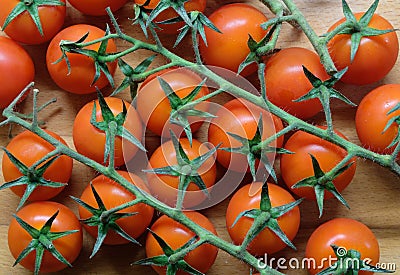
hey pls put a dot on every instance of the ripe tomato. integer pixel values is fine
(90, 141)
(298, 166)
(37, 214)
(23, 29)
(229, 48)
(112, 194)
(241, 118)
(79, 80)
(248, 197)
(345, 233)
(30, 148)
(375, 57)
(13, 58)
(372, 117)
(190, 5)
(165, 187)
(95, 7)
(176, 235)
(286, 81)
(154, 107)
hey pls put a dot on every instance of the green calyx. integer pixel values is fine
(132, 75)
(42, 240)
(181, 108)
(32, 176)
(112, 126)
(105, 220)
(322, 182)
(32, 7)
(359, 29)
(165, 260)
(256, 149)
(186, 170)
(99, 57)
(266, 217)
(349, 262)
(177, 5)
(393, 120)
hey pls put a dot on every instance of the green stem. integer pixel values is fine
(181, 254)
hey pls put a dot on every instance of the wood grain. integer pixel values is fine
(373, 195)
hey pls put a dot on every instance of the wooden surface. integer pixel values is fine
(373, 195)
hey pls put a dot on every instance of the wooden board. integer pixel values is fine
(373, 195)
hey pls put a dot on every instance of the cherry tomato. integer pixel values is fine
(165, 187)
(176, 235)
(90, 141)
(286, 81)
(112, 194)
(372, 117)
(248, 197)
(23, 29)
(13, 58)
(241, 118)
(375, 57)
(37, 214)
(81, 76)
(95, 7)
(174, 28)
(229, 48)
(345, 233)
(298, 166)
(30, 148)
(154, 107)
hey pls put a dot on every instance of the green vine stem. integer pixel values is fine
(290, 13)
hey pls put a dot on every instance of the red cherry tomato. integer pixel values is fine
(165, 187)
(372, 117)
(345, 233)
(81, 76)
(241, 118)
(176, 235)
(30, 148)
(13, 58)
(90, 141)
(229, 48)
(375, 57)
(23, 29)
(286, 81)
(298, 166)
(112, 194)
(37, 214)
(248, 197)
(96, 7)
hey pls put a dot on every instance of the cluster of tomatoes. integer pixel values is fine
(231, 123)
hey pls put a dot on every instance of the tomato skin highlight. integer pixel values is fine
(248, 197)
(343, 232)
(165, 187)
(24, 30)
(30, 148)
(372, 117)
(285, 80)
(36, 214)
(90, 141)
(375, 57)
(229, 48)
(113, 195)
(81, 76)
(96, 7)
(241, 117)
(298, 166)
(176, 235)
(13, 58)
(155, 110)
